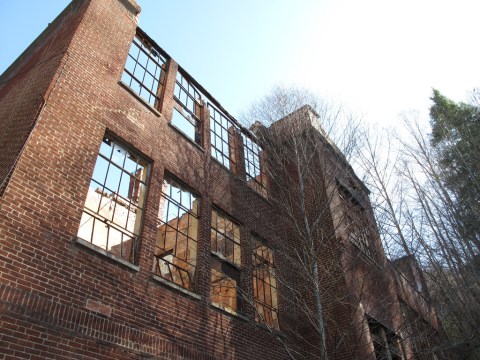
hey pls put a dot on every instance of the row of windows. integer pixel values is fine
(112, 217)
(145, 72)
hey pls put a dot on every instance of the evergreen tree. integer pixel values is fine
(455, 136)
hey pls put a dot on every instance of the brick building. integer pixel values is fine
(139, 219)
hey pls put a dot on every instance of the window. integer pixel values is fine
(177, 231)
(359, 233)
(222, 138)
(264, 285)
(386, 344)
(145, 70)
(113, 209)
(186, 113)
(358, 225)
(254, 166)
(421, 334)
(225, 273)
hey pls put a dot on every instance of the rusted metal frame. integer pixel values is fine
(213, 142)
(145, 48)
(177, 268)
(268, 266)
(225, 216)
(249, 145)
(189, 213)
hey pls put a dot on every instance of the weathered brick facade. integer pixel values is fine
(63, 295)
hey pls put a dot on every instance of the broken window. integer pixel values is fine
(222, 138)
(225, 273)
(145, 70)
(225, 237)
(177, 231)
(186, 112)
(265, 285)
(255, 166)
(113, 209)
(386, 344)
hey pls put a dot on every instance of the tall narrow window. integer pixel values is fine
(356, 218)
(145, 70)
(225, 237)
(113, 209)
(222, 138)
(254, 166)
(265, 285)
(176, 250)
(188, 103)
(358, 233)
(225, 273)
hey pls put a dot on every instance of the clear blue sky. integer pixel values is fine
(378, 57)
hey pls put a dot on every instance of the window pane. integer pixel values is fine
(131, 165)
(100, 234)
(100, 170)
(183, 124)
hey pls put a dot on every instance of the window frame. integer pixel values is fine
(357, 223)
(271, 320)
(188, 104)
(152, 53)
(229, 269)
(384, 341)
(255, 172)
(166, 200)
(223, 130)
(138, 188)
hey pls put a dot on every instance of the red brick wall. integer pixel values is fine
(60, 299)
(26, 85)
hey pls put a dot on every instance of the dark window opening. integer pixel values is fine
(359, 227)
(386, 344)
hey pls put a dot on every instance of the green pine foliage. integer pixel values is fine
(456, 138)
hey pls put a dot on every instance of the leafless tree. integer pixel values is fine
(418, 215)
(308, 149)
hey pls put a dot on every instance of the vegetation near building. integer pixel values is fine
(139, 219)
